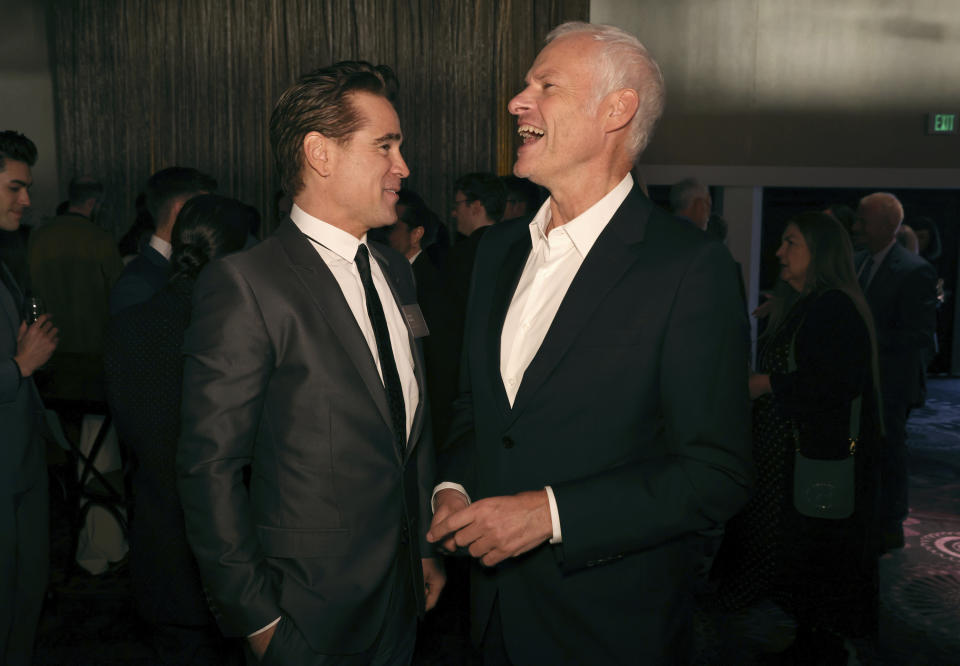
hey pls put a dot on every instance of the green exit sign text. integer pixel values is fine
(942, 123)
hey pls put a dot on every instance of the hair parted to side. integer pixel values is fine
(320, 102)
(17, 147)
(208, 226)
(82, 189)
(624, 63)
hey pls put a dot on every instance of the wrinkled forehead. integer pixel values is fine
(567, 55)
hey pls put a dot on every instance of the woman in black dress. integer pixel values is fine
(143, 369)
(822, 571)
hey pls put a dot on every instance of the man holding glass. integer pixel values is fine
(24, 530)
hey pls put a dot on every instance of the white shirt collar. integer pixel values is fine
(161, 246)
(335, 239)
(584, 229)
(414, 257)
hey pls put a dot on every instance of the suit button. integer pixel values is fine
(507, 443)
(404, 535)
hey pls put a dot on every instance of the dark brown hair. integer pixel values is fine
(320, 102)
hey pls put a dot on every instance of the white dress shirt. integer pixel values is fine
(338, 249)
(161, 246)
(551, 266)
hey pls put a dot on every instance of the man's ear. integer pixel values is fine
(416, 235)
(317, 153)
(622, 107)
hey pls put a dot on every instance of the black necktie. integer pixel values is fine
(865, 273)
(388, 366)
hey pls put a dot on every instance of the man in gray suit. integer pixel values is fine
(302, 360)
(24, 537)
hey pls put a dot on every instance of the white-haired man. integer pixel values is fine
(901, 290)
(690, 201)
(598, 429)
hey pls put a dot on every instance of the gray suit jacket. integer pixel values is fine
(20, 405)
(278, 376)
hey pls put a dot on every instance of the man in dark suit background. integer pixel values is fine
(603, 416)
(24, 527)
(166, 192)
(901, 290)
(301, 361)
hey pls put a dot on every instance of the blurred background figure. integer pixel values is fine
(139, 233)
(690, 201)
(813, 392)
(166, 192)
(900, 288)
(73, 264)
(524, 198)
(143, 368)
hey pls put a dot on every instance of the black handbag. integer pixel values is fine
(825, 488)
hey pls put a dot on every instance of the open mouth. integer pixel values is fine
(529, 134)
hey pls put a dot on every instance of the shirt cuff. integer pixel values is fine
(260, 631)
(443, 486)
(554, 516)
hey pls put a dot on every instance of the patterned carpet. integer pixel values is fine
(91, 621)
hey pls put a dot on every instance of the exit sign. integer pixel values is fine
(943, 123)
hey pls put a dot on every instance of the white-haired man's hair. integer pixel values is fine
(624, 63)
(887, 205)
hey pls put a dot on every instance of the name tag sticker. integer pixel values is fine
(415, 320)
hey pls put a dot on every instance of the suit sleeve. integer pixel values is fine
(228, 361)
(703, 476)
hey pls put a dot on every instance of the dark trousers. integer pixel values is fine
(187, 645)
(392, 647)
(492, 647)
(24, 569)
(893, 506)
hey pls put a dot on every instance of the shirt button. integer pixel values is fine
(507, 443)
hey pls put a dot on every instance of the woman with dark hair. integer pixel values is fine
(928, 238)
(805, 539)
(143, 370)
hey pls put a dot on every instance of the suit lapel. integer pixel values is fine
(325, 291)
(508, 276)
(9, 301)
(418, 370)
(879, 289)
(614, 252)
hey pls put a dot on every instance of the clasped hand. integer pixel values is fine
(491, 529)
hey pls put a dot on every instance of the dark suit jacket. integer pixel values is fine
(140, 279)
(21, 459)
(278, 375)
(635, 411)
(143, 369)
(441, 349)
(903, 299)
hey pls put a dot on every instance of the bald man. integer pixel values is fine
(901, 290)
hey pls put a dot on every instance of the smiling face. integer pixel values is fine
(794, 256)
(558, 113)
(365, 170)
(15, 180)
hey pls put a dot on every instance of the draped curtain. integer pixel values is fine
(140, 85)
